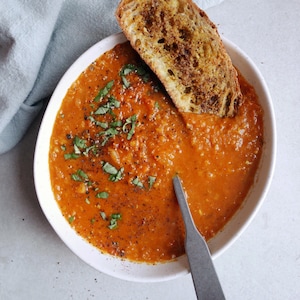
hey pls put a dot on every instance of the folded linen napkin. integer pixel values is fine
(39, 40)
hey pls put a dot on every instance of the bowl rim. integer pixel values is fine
(114, 266)
(266, 168)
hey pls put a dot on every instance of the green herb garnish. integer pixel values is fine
(103, 125)
(104, 91)
(108, 133)
(108, 106)
(92, 148)
(137, 182)
(129, 68)
(78, 144)
(114, 174)
(103, 215)
(132, 122)
(71, 219)
(151, 180)
(115, 124)
(113, 224)
(126, 83)
(71, 156)
(80, 175)
(102, 195)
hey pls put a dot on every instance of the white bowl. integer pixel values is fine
(138, 271)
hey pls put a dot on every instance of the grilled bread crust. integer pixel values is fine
(183, 48)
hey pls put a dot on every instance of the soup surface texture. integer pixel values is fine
(116, 144)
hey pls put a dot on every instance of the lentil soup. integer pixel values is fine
(116, 144)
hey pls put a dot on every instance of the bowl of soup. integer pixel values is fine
(111, 141)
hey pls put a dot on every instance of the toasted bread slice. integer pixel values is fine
(183, 48)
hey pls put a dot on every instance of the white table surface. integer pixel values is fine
(264, 263)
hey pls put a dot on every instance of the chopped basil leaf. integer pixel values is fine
(80, 175)
(75, 177)
(108, 106)
(126, 83)
(117, 123)
(102, 195)
(113, 102)
(76, 150)
(131, 131)
(104, 91)
(71, 156)
(71, 219)
(115, 174)
(88, 149)
(151, 180)
(103, 215)
(137, 182)
(118, 176)
(93, 220)
(103, 125)
(130, 121)
(109, 169)
(102, 110)
(108, 133)
(80, 143)
(111, 131)
(116, 216)
(113, 224)
(63, 147)
(129, 68)
(105, 140)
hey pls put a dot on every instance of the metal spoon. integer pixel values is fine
(205, 278)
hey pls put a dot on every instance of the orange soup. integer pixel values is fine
(118, 141)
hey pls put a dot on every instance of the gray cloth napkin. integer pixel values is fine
(39, 40)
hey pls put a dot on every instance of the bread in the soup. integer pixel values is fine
(184, 49)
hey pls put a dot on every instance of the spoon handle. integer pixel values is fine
(204, 276)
